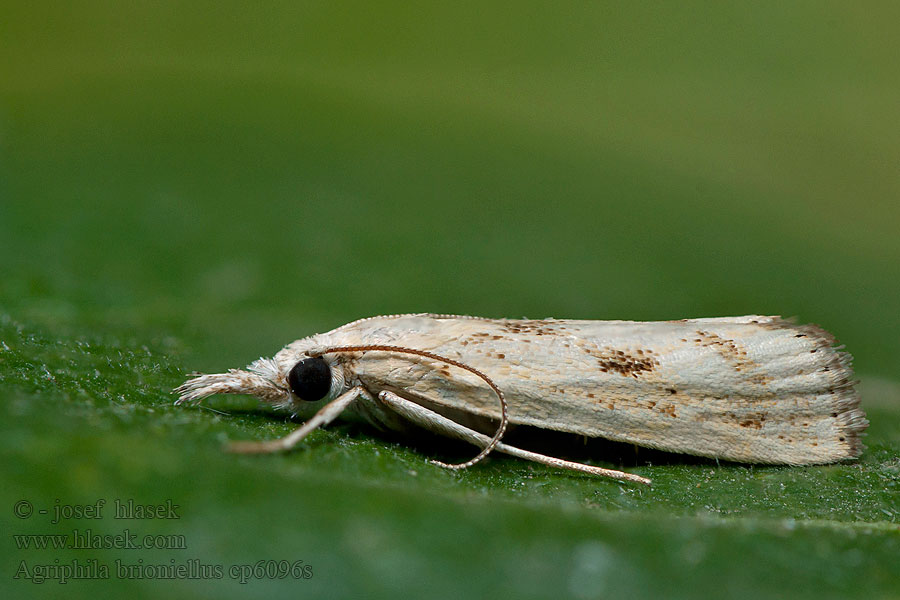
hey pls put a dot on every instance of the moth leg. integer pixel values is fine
(438, 423)
(326, 415)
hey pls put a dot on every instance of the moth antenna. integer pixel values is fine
(504, 416)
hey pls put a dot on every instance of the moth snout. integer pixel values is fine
(235, 381)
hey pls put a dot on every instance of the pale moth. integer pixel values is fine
(750, 389)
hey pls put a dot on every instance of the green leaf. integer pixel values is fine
(188, 186)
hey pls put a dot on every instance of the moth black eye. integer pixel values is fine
(310, 379)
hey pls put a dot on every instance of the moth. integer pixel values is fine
(751, 389)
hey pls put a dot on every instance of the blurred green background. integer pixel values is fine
(190, 185)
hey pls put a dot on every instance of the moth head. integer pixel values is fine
(292, 380)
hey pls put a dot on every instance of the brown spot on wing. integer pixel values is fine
(626, 365)
(749, 420)
(534, 327)
(611, 360)
(733, 352)
(668, 410)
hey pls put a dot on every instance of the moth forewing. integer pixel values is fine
(749, 389)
